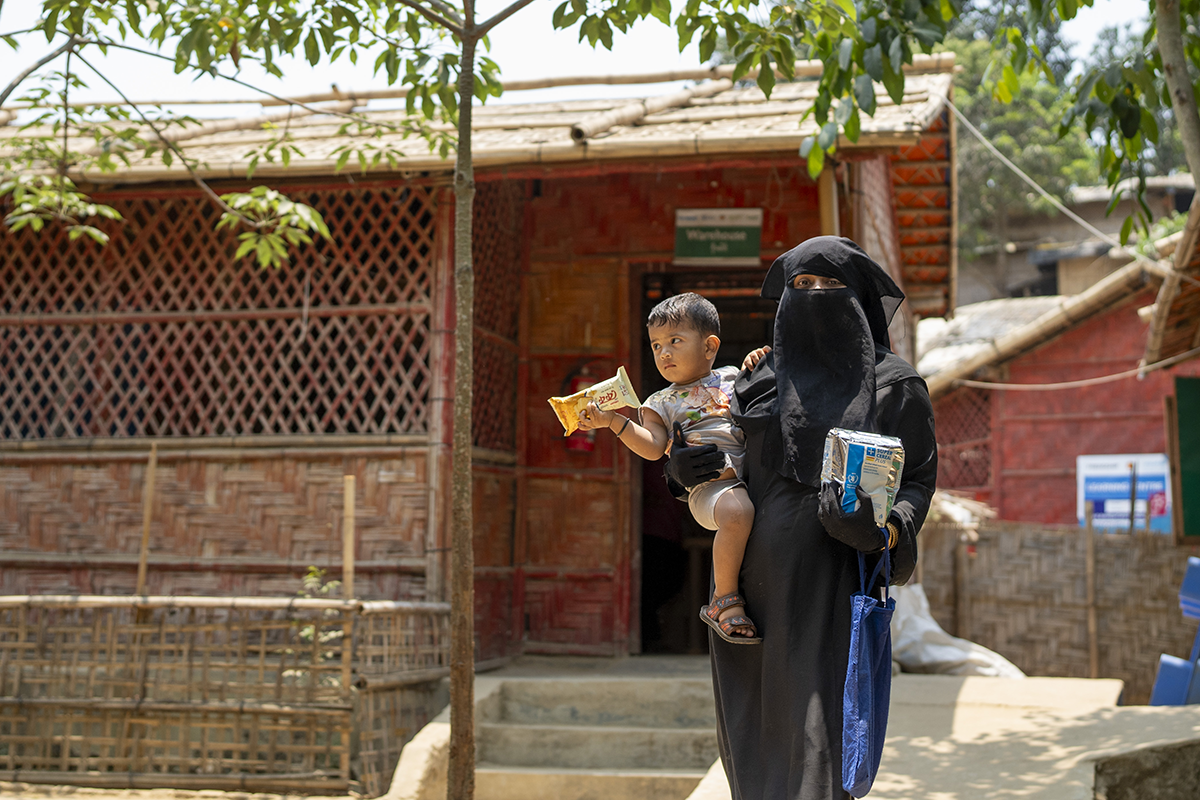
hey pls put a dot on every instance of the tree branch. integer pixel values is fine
(496, 19)
(1179, 84)
(360, 118)
(447, 11)
(204, 187)
(71, 42)
(434, 17)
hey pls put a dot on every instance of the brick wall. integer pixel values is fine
(1036, 436)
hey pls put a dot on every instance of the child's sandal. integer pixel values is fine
(711, 614)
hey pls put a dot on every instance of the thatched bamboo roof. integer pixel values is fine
(711, 118)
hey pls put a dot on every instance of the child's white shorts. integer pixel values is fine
(702, 500)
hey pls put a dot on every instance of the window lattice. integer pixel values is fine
(964, 428)
(497, 252)
(162, 334)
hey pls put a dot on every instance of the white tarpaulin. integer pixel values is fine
(920, 645)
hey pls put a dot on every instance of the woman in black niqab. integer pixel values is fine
(779, 706)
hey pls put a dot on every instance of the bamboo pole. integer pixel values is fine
(147, 512)
(1090, 566)
(921, 63)
(594, 124)
(348, 537)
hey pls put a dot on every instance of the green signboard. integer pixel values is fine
(718, 237)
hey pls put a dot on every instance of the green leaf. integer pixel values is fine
(853, 126)
(844, 107)
(1113, 76)
(247, 245)
(873, 62)
(848, 7)
(827, 138)
(708, 44)
(1126, 230)
(816, 162)
(845, 53)
(1010, 79)
(894, 83)
(896, 54)
(766, 74)
(864, 93)
(1149, 126)
(312, 48)
(868, 28)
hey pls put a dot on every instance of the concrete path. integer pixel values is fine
(952, 738)
(949, 738)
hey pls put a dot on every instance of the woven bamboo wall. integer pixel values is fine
(223, 523)
(1026, 587)
(250, 693)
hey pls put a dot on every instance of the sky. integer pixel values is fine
(525, 46)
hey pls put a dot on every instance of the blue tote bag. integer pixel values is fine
(868, 681)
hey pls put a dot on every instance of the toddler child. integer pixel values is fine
(684, 336)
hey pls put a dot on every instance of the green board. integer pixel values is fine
(718, 236)
(1187, 399)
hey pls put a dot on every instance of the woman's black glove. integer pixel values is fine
(691, 466)
(854, 528)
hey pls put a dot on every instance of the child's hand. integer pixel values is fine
(593, 418)
(753, 357)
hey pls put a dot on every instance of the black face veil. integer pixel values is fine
(821, 373)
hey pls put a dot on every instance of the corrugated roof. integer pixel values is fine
(943, 344)
(738, 120)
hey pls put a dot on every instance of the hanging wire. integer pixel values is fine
(1049, 387)
(1154, 266)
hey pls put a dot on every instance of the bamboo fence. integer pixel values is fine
(226, 693)
(1062, 600)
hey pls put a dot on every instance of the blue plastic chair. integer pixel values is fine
(1178, 681)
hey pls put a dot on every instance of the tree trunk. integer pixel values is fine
(1179, 83)
(460, 780)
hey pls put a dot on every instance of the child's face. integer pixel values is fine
(681, 353)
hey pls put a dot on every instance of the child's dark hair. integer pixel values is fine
(689, 309)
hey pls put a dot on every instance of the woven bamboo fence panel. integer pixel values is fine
(1027, 598)
(161, 333)
(194, 692)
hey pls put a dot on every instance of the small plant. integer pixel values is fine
(314, 586)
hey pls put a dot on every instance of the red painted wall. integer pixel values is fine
(1037, 435)
(590, 236)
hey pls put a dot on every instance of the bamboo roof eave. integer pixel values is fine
(544, 153)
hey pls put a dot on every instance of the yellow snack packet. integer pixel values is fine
(616, 392)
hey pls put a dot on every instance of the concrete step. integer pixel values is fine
(597, 746)
(498, 782)
(686, 703)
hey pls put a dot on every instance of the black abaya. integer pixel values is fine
(779, 704)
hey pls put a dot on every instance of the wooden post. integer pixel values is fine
(827, 201)
(348, 538)
(1090, 564)
(962, 589)
(1133, 496)
(147, 511)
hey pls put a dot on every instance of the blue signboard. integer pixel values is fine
(1106, 481)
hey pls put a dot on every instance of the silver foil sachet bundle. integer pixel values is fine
(870, 460)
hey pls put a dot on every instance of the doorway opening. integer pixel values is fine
(676, 551)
